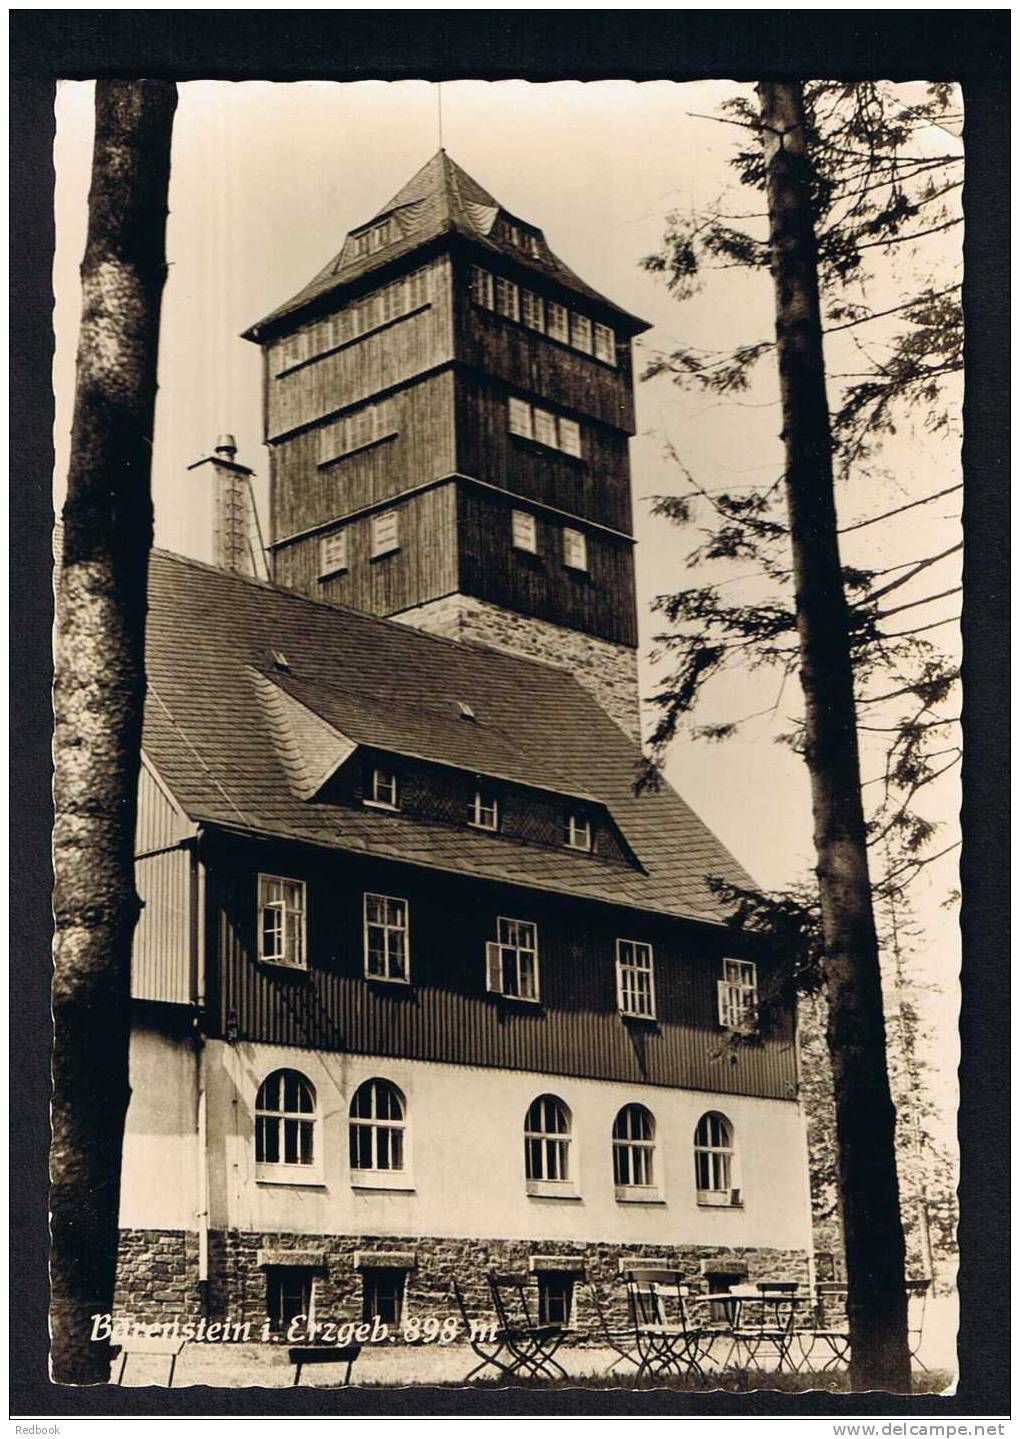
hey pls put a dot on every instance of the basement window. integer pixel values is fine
(290, 1295)
(383, 1296)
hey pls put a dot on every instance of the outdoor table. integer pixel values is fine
(781, 1297)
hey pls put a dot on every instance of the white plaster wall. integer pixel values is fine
(465, 1158)
(159, 1180)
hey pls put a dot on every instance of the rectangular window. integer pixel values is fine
(386, 938)
(520, 418)
(524, 532)
(332, 553)
(383, 788)
(482, 287)
(282, 916)
(290, 1294)
(512, 961)
(484, 810)
(555, 1298)
(383, 1296)
(507, 299)
(557, 321)
(605, 344)
(738, 994)
(580, 332)
(570, 437)
(575, 550)
(533, 307)
(577, 832)
(361, 427)
(385, 533)
(635, 982)
(544, 426)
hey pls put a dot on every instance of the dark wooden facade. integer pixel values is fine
(441, 375)
(445, 1013)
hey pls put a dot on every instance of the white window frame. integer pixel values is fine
(544, 427)
(557, 321)
(577, 833)
(374, 1177)
(484, 811)
(635, 978)
(634, 1155)
(384, 782)
(508, 298)
(516, 945)
(397, 930)
(524, 531)
(551, 1147)
(533, 311)
(714, 1160)
(568, 436)
(281, 907)
(575, 550)
(483, 288)
(381, 545)
(333, 554)
(281, 1171)
(738, 995)
(604, 344)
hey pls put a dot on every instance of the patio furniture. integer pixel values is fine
(487, 1341)
(303, 1354)
(143, 1344)
(757, 1317)
(917, 1301)
(619, 1338)
(829, 1327)
(666, 1341)
(531, 1343)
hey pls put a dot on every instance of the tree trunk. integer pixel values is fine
(865, 1117)
(99, 689)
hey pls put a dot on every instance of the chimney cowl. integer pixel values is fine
(226, 445)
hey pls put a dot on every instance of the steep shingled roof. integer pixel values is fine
(209, 734)
(441, 198)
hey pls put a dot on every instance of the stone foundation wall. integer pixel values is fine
(153, 1286)
(607, 670)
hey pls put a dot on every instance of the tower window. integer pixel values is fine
(557, 323)
(577, 832)
(580, 332)
(332, 554)
(533, 307)
(484, 810)
(520, 418)
(545, 427)
(534, 423)
(507, 299)
(354, 431)
(569, 435)
(605, 344)
(524, 531)
(385, 533)
(482, 287)
(373, 238)
(575, 550)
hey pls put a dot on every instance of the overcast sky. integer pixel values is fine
(266, 180)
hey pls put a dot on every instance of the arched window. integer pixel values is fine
(633, 1146)
(713, 1158)
(285, 1119)
(377, 1126)
(547, 1139)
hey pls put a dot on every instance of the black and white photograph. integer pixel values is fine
(508, 571)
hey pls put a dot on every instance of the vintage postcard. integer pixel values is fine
(546, 810)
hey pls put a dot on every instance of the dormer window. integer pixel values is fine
(484, 811)
(575, 550)
(577, 832)
(374, 238)
(383, 789)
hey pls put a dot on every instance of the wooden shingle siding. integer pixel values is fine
(422, 567)
(599, 601)
(445, 1014)
(595, 486)
(402, 348)
(420, 449)
(527, 359)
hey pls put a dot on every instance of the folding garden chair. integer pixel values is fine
(619, 1338)
(666, 1341)
(531, 1344)
(829, 1328)
(487, 1341)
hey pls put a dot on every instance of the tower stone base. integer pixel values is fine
(607, 670)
